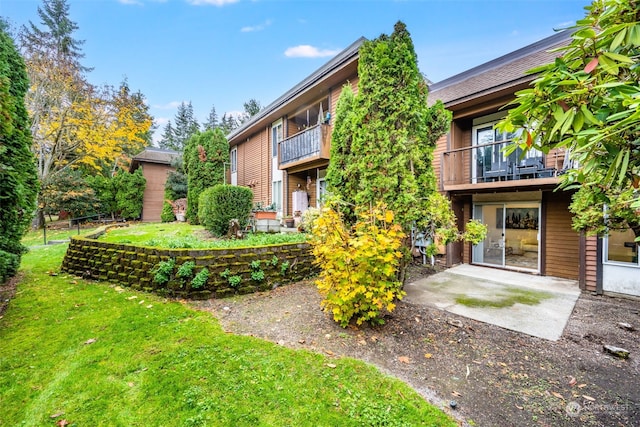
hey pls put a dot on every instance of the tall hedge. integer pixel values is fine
(221, 203)
(18, 176)
(204, 157)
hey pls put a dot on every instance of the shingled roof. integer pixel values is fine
(154, 155)
(506, 71)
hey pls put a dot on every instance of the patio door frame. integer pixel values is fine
(501, 244)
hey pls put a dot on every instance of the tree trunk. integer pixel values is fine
(38, 220)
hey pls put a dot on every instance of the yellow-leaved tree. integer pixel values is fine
(74, 123)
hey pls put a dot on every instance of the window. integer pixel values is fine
(321, 191)
(276, 137)
(233, 159)
(277, 194)
(491, 161)
(620, 247)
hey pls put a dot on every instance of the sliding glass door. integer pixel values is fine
(513, 235)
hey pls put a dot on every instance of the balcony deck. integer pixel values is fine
(305, 147)
(487, 167)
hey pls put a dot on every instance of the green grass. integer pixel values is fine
(182, 235)
(160, 363)
(510, 297)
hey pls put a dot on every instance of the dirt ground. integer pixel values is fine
(496, 377)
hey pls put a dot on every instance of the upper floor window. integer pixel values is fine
(276, 137)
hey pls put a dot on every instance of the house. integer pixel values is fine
(282, 152)
(156, 165)
(514, 195)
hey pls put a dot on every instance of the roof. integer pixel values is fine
(506, 71)
(154, 155)
(346, 56)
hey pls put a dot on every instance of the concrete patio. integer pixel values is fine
(534, 305)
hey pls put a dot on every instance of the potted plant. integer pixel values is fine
(289, 222)
(261, 211)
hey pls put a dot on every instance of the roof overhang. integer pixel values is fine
(336, 71)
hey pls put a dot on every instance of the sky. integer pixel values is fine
(223, 53)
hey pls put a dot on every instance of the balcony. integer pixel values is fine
(305, 147)
(486, 166)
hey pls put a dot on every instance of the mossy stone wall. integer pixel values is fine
(134, 266)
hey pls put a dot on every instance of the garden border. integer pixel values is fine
(260, 268)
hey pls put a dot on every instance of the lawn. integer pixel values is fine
(96, 354)
(183, 235)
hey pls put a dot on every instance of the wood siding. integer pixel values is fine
(153, 197)
(254, 165)
(591, 263)
(561, 243)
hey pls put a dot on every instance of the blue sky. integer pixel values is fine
(225, 52)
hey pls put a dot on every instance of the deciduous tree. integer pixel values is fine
(73, 122)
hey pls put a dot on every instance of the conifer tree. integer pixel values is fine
(18, 177)
(384, 137)
(212, 120)
(168, 139)
(185, 127)
(204, 158)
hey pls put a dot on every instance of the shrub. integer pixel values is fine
(221, 203)
(167, 213)
(309, 217)
(359, 267)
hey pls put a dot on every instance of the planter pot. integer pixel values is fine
(265, 215)
(289, 222)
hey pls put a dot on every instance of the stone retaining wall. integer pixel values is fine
(259, 268)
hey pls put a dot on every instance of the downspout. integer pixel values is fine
(599, 290)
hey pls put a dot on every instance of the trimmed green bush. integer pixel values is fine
(221, 203)
(167, 214)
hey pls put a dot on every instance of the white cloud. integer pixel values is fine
(260, 27)
(308, 51)
(133, 2)
(168, 106)
(161, 121)
(211, 2)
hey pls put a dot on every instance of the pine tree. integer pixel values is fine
(229, 123)
(57, 35)
(186, 126)
(168, 138)
(251, 108)
(18, 177)
(212, 120)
